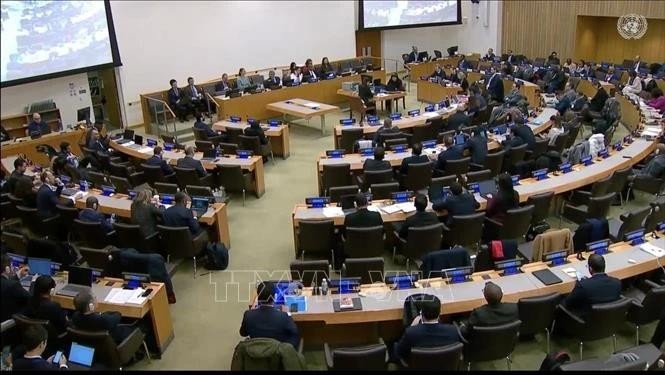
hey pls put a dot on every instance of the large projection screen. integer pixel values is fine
(47, 39)
(381, 15)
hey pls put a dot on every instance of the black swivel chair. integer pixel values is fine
(647, 184)
(121, 184)
(16, 243)
(491, 343)
(39, 226)
(178, 242)
(107, 352)
(228, 148)
(253, 143)
(645, 307)
(515, 225)
(233, 135)
(384, 191)
(515, 156)
(541, 207)
(656, 216)
(628, 222)
(598, 188)
(97, 258)
(420, 241)
(369, 270)
(337, 192)
(98, 179)
(363, 242)
(560, 142)
(349, 138)
(67, 215)
(465, 230)
(456, 167)
(418, 177)
(362, 358)
(234, 179)
(317, 237)
(165, 188)
(92, 234)
(598, 208)
(618, 182)
(203, 146)
(310, 272)
(129, 236)
(537, 315)
(153, 173)
(477, 176)
(603, 320)
(493, 162)
(439, 358)
(539, 148)
(189, 176)
(374, 177)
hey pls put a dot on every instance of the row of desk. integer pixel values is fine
(27, 146)
(382, 307)
(278, 135)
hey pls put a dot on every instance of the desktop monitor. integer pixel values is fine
(423, 56)
(138, 139)
(128, 134)
(166, 198)
(79, 276)
(39, 266)
(83, 114)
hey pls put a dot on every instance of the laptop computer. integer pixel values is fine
(138, 142)
(36, 267)
(127, 137)
(209, 154)
(200, 205)
(487, 187)
(81, 355)
(79, 279)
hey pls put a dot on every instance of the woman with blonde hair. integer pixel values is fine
(146, 213)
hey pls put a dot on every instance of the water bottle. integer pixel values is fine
(324, 287)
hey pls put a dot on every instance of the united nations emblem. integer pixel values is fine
(632, 26)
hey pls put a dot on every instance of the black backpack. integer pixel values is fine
(217, 256)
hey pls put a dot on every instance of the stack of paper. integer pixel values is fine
(332, 211)
(390, 209)
(145, 150)
(311, 105)
(121, 296)
(406, 207)
(373, 208)
(431, 114)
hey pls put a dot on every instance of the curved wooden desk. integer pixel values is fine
(26, 146)
(383, 308)
(254, 165)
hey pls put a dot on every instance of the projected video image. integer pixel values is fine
(43, 37)
(404, 13)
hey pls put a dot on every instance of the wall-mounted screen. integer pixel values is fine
(402, 14)
(46, 39)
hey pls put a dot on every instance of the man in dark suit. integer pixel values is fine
(553, 59)
(48, 194)
(254, 130)
(179, 215)
(363, 217)
(489, 56)
(452, 152)
(458, 120)
(37, 125)
(224, 84)
(272, 81)
(413, 56)
(438, 73)
(421, 218)
(34, 339)
(20, 166)
(511, 58)
(157, 160)
(598, 101)
(556, 80)
(477, 146)
(86, 318)
(387, 128)
(599, 288)
(494, 313)
(426, 331)
(377, 163)
(189, 162)
(495, 87)
(207, 129)
(194, 97)
(14, 297)
(459, 203)
(96, 143)
(415, 158)
(525, 132)
(266, 320)
(177, 101)
(91, 214)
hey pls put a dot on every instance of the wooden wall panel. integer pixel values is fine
(535, 28)
(368, 39)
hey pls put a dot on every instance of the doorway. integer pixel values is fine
(104, 96)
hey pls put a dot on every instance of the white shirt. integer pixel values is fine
(295, 77)
(490, 80)
(634, 86)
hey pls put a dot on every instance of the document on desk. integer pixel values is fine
(381, 95)
(431, 114)
(122, 296)
(373, 209)
(311, 105)
(406, 207)
(145, 150)
(390, 209)
(332, 211)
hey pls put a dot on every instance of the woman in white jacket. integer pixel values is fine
(634, 85)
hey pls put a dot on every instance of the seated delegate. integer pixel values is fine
(242, 81)
(267, 320)
(37, 126)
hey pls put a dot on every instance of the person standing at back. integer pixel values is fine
(267, 320)
(494, 313)
(599, 288)
(419, 219)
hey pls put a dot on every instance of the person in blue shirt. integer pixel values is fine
(91, 214)
(426, 331)
(37, 126)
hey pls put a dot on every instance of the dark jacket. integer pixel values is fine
(365, 94)
(413, 159)
(264, 354)
(497, 209)
(45, 309)
(599, 288)
(363, 218)
(92, 216)
(524, 131)
(419, 219)
(272, 82)
(32, 364)
(495, 88)
(441, 74)
(41, 127)
(47, 199)
(97, 146)
(655, 168)
(426, 336)
(477, 146)
(180, 216)
(268, 321)
(598, 101)
(14, 297)
(254, 132)
(157, 161)
(455, 205)
(190, 162)
(458, 120)
(378, 139)
(376, 165)
(174, 96)
(200, 125)
(10, 185)
(488, 316)
(107, 321)
(147, 217)
(455, 152)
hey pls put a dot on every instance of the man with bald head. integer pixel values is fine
(37, 126)
(494, 313)
(189, 162)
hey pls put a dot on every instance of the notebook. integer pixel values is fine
(547, 277)
(347, 304)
